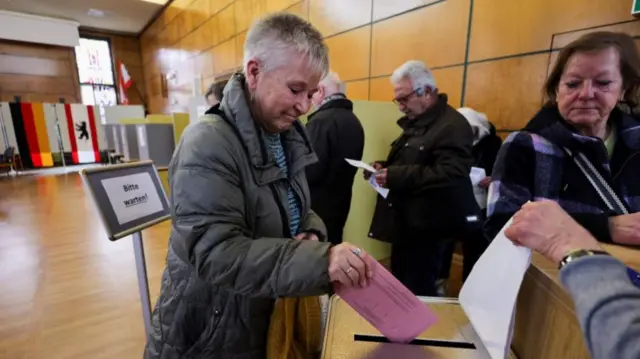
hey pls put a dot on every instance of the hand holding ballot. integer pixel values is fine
(389, 306)
(546, 228)
(350, 266)
(379, 179)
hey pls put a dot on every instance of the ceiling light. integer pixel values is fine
(159, 2)
(95, 13)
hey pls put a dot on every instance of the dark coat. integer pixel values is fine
(532, 165)
(335, 133)
(229, 253)
(486, 151)
(428, 177)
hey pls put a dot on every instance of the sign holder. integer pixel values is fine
(129, 198)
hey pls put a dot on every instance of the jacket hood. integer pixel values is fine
(238, 114)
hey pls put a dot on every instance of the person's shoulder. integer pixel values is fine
(210, 137)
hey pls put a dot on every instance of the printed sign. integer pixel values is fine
(132, 197)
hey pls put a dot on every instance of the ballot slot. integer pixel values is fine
(418, 342)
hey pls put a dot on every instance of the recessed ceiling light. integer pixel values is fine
(95, 13)
(159, 2)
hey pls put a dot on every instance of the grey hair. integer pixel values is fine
(420, 75)
(332, 80)
(272, 39)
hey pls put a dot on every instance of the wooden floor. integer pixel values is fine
(66, 291)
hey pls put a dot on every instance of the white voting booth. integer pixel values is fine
(129, 198)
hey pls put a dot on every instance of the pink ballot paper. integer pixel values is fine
(389, 306)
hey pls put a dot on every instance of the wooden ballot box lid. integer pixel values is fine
(344, 323)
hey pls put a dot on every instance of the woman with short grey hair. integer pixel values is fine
(242, 230)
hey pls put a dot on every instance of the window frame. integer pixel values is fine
(113, 68)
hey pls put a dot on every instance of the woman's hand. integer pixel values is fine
(350, 265)
(307, 237)
(375, 165)
(625, 229)
(485, 183)
(546, 228)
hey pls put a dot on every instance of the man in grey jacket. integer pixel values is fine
(605, 292)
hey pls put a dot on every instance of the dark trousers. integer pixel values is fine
(473, 245)
(416, 261)
(334, 232)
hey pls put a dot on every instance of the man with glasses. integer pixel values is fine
(431, 199)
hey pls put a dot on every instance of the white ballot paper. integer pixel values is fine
(360, 164)
(489, 294)
(384, 192)
(477, 174)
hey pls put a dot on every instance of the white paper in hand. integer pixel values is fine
(477, 174)
(360, 164)
(489, 294)
(384, 192)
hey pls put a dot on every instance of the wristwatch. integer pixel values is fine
(578, 253)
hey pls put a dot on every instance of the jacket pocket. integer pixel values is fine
(205, 338)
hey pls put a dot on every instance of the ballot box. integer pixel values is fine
(349, 336)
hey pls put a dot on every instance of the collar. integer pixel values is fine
(238, 114)
(337, 100)
(427, 117)
(549, 124)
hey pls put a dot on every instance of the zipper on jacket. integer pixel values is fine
(283, 213)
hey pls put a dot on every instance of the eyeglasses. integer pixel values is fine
(403, 99)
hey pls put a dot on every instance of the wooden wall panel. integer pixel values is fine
(349, 53)
(435, 34)
(358, 90)
(301, 9)
(508, 103)
(278, 5)
(449, 81)
(368, 39)
(381, 89)
(507, 27)
(200, 11)
(385, 8)
(217, 5)
(37, 73)
(226, 24)
(240, 49)
(333, 16)
(224, 57)
(562, 40)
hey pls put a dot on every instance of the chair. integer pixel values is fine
(8, 159)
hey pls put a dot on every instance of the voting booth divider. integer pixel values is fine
(129, 198)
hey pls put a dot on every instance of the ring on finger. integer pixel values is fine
(349, 270)
(357, 252)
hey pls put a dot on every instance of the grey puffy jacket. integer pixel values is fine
(228, 257)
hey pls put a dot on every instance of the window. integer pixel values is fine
(95, 71)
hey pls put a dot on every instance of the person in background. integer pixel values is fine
(486, 145)
(583, 129)
(605, 292)
(335, 134)
(214, 93)
(240, 206)
(427, 173)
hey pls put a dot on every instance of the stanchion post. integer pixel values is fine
(143, 282)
